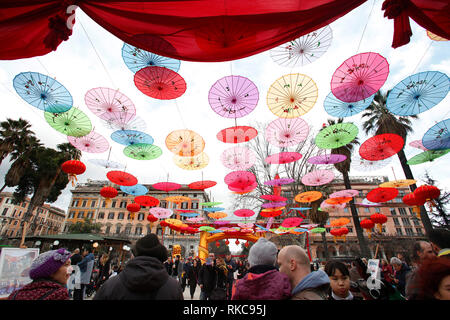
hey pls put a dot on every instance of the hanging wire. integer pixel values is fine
(364, 30)
(181, 116)
(42, 65)
(420, 61)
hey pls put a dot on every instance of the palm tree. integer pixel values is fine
(380, 121)
(344, 168)
(12, 133)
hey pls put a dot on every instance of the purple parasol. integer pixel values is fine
(92, 143)
(327, 159)
(273, 204)
(278, 182)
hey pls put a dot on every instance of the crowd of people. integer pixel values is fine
(267, 274)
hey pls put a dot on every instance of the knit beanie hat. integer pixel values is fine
(262, 252)
(151, 247)
(48, 263)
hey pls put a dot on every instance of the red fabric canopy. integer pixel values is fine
(202, 30)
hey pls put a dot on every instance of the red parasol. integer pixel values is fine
(283, 157)
(160, 83)
(147, 201)
(237, 134)
(166, 186)
(244, 213)
(202, 185)
(381, 147)
(270, 214)
(271, 197)
(244, 188)
(122, 178)
(382, 194)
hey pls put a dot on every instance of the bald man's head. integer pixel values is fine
(293, 262)
(296, 253)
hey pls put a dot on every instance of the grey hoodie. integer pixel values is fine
(313, 280)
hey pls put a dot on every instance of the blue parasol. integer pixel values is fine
(136, 59)
(438, 136)
(261, 227)
(43, 92)
(189, 215)
(213, 209)
(301, 209)
(136, 190)
(340, 109)
(129, 137)
(417, 93)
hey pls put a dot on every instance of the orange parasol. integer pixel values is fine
(185, 143)
(339, 222)
(217, 215)
(309, 196)
(338, 200)
(398, 183)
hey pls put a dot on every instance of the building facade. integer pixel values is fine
(49, 219)
(402, 224)
(115, 220)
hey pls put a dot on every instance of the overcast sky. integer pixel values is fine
(76, 65)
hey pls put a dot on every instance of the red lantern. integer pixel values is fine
(217, 244)
(427, 194)
(368, 225)
(237, 241)
(227, 242)
(246, 244)
(108, 193)
(412, 200)
(378, 219)
(335, 233)
(151, 218)
(343, 232)
(72, 168)
(133, 207)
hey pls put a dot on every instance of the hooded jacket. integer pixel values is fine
(315, 286)
(263, 282)
(143, 278)
(86, 265)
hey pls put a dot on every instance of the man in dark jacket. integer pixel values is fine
(401, 271)
(231, 266)
(207, 277)
(144, 277)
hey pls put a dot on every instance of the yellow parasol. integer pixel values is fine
(217, 215)
(192, 163)
(398, 183)
(185, 143)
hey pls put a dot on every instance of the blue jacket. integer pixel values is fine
(313, 280)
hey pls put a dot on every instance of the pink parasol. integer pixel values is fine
(331, 207)
(92, 143)
(344, 193)
(271, 197)
(244, 188)
(161, 213)
(239, 179)
(359, 77)
(273, 204)
(244, 213)
(291, 222)
(166, 186)
(222, 222)
(278, 182)
(246, 225)
(327, 159)
(238, 158)
(195, 219)
(233, 97)
(109, 104)
(418, 144)
(318, 178)
(285, 132)
(283, 157)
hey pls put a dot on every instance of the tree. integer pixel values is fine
(380, 121)
(439, 215)
(344, 168)
(13, 134)
(85, 226)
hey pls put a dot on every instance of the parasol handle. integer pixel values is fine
(395, 178)
(109, 153)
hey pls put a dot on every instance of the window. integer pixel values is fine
(111, 215)
(131, 216)
(14, 213)
(366, 210)
(141, 216)
(402, 211)
(416, 221)
(399, 231)
(195, 205)
(419, 231)
(80, 215)
(406, 221)
(121, 216)
(113, 204)
(104, 204)
(108, 229)
(15, 222)
(128, 230)
(90, 214)
(24, 204)
(84, 203)
(163, 204)
(409, 231)
(4, 211)
(350, 229)
(184, 205)
(71, 215)
(93, 204)
(123, 204)
(346, 209)
(396, 222)
(393, 212)
(377, 210)
(101, 215)
(138, 231)
(118, 227)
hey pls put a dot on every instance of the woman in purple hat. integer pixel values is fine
(50, 272)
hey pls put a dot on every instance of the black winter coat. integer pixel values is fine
(143, 278)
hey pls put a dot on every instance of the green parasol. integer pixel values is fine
(73, 123)
(142, 151)
(336, 135)
(206, 228)
(318, 230)
(426, 156)
(210, 204)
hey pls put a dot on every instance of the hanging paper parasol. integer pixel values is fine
(244, 213)
(206, 228)
(128, 137)
(160, 83)
(146, 201)
(142, 151)
(382, 194)
(166, 186)
(273, 204)
(92, 143)
(185, 143)
(122, 178)
(418, 93)
(213, 209)
(43, 92)
(426, 156)
(325, 206)
(318, 230)
(359, 77)
(292, 95)
(418, 144)
(271, 214)
(238, 158)
(381, 146)
(210, 204)
(309, 196)
(367, 203)
(242, 189)
(435, 37)
(237, 134)
(136, 59)
(344, 193)
(336, 135)
(189, 214)
(202, 185)
(291, 222)
(195, 219)
(361, 164)
(238, 179)
(161, 213)
(338, 200)
(233, 97)
(398, 183)
(301, 208)
(327, 159)
(318, 178)
(304, 50)
(278, 182)
(284, 132)
(107, 163)
(197, 162)
(340, 222)
(136, 190)
(271, 197)
(72, 123)
(341, 109)
(109, 104)
(438, 136)
(136, 123)
(283, 157)
(217, 215)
